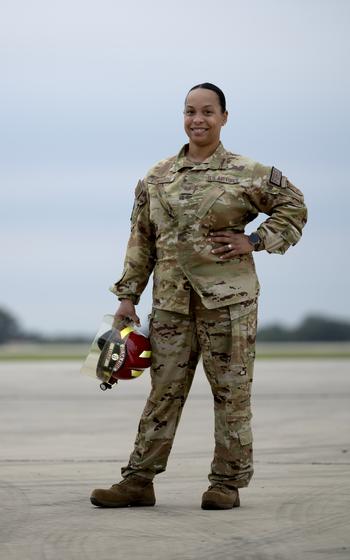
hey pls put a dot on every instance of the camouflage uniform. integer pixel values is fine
(202, 304)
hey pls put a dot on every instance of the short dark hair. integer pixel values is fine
(216, 89)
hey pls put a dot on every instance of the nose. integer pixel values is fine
(197, 119)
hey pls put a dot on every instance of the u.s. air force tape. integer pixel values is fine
(275, 177)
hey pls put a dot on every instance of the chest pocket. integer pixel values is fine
(215, 191)
(209, 200)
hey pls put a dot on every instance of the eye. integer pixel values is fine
(189, 112)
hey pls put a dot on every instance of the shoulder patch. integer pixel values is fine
(139, 201)
(275, 177)
(139, 189)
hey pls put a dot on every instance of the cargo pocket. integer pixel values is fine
(163, 417)
(239, 428)
(243, 326)
(245, 437)
(148, 408)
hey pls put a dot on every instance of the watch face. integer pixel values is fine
(254, 238)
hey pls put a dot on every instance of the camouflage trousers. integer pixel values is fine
(225, 338)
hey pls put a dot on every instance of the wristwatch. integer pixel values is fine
(254, 239)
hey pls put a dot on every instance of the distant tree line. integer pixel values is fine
(314, 328)
(9, 328)
(11, 331)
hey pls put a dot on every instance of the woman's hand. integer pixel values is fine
(232, 244)
(126, 309)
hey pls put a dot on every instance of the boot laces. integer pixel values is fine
(138, 480)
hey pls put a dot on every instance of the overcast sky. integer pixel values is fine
(92, 95)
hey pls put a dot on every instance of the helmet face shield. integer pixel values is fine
(113, 353)
(117, 353)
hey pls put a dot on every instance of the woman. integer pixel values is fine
(187, 226)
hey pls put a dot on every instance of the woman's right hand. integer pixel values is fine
(127, 309)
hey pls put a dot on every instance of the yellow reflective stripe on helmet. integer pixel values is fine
(124, 332)
(146, 354)
(136, 372)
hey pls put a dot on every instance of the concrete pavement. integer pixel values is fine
(61, 437)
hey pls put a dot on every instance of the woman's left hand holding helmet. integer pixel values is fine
(232, 244)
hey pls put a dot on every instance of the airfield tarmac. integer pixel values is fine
(61, 437)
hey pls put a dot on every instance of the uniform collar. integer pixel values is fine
(215, 161)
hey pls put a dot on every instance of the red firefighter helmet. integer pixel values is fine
(125, 354)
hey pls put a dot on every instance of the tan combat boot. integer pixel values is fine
(220, 496)
(132, 491)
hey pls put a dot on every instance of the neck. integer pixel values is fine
(200, 153)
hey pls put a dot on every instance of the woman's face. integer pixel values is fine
(203, 117)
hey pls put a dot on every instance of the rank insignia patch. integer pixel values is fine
(275, 177)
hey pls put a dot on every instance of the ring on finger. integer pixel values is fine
(229, 246)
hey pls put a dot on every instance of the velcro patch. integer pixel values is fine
(139, 189)
(275, 177)
(139, 201)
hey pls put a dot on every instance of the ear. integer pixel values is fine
(225, 117)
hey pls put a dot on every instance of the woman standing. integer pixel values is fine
(187, 226)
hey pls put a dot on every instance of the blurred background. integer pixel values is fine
(92, 96)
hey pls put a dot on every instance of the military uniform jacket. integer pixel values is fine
(176, 207)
